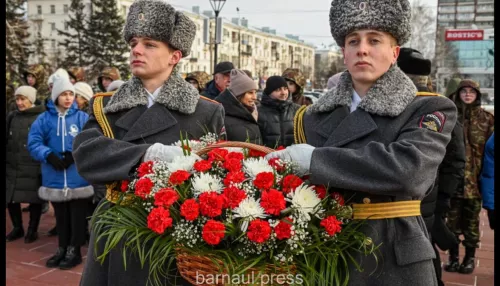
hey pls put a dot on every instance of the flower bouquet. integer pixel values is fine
(232, 215)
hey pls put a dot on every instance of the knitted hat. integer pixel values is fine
(391, 16)
(84, 90)
(61, 84)
(160, 21)
(241, 83)
(28, 91)
(60, 73)
(273, 83)
(411, 61)
(115, 85)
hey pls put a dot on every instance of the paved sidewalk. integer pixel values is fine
(26, 262)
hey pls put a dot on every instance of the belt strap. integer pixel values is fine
(386, 210)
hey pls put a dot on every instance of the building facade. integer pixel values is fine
(465, 43)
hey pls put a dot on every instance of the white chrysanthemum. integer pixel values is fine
(234, 149)
(204, 182)
(305, 200)
(249, 209)
(254, 166)
(194, 145)
(185, 163)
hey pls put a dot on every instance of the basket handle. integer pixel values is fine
(247, 145)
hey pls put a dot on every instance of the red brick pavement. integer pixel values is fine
(26, 262)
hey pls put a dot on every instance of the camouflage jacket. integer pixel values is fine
(478, 127)
(42, 90)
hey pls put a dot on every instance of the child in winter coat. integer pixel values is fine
(50, 141)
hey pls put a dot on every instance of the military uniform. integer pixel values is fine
(201, 77)
(38, 71)
(295, 76)
(78, 73)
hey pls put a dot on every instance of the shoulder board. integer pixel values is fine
(110, 93)
(423, 93)
(208, 99)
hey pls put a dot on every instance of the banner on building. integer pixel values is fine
(464, 35)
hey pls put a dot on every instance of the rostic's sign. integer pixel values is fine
(464, 35)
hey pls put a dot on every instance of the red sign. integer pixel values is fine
(464, 35)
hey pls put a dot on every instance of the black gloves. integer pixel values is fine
(491, 218)
(68, 159)
(56, 162)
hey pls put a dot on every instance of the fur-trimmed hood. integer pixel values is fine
(389, 96)
(175, 94)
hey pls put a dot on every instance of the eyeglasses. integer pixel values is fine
(463, 92)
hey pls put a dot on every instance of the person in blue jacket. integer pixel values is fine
(50, 141)
(487, 180)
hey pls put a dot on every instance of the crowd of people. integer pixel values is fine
(379, 135)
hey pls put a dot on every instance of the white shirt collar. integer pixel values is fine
(356, 99)
(152, 96)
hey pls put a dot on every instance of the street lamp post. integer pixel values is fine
(217, 6)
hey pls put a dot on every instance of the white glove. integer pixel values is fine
(300, 154)
(162, 152)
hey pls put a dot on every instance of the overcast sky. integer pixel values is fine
(307, 19)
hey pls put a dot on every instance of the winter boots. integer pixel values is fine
(73, 258)
(55, 260)
(15, 234)
(453, 264)
(467, 266)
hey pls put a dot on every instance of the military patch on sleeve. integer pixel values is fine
(433, 121)
(222, 132)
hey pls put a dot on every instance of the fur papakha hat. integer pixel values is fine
(391, 16)
(159, 21)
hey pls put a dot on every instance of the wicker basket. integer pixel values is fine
(251, 146)
(190, 265)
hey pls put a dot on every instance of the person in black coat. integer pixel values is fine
(450, 176)
(23, 173)
(276, 112)
(241, 112)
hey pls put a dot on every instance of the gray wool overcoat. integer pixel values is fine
(388, 149)
(178, 107)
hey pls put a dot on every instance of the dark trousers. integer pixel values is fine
(16, 215)
(463, 218)
(437, 266)
(71, 222)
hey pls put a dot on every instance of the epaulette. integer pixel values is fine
(109, 93)
(208, 99)
(424, 93)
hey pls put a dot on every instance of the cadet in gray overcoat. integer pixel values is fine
(146, 116)
(375, 141)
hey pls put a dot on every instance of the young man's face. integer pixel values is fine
(66, 99)
(368, 54)
(280, 93)
(106, 81)
(31, 80)
(468, 95)
(292, 87)
(150, 58)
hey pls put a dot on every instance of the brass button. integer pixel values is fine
(366, 200)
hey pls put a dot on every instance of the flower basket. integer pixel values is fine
(232, 214)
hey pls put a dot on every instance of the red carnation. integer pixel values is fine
(145, 169)
(273, 201)
(211, 204)
(166, 197)
(274, 162)
(143, 187)
(264, 180)
(338, 197)
(281, 147)
(320, 191)
(159, 219)
(218, 154)
(332, 225)
(190, 209)
(284, 229)
(259, 231)
(234, 177)
(213, 232)
(235, 155)
(178, 177)
(253, 153)
(202, 166)
(124, 186)
(290, 183)
(232, 164)
(233, 197)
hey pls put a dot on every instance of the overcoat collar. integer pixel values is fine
(175, 94)
(389, 96)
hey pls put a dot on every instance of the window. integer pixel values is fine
(52, 26)
(66, 8)
(465, 9)
(39, 9)
(66, 26)
(52, 9)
